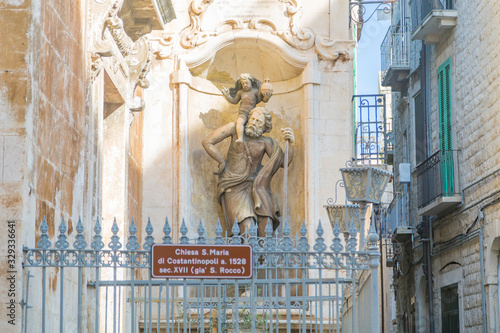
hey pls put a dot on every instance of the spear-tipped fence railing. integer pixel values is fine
(90, 286)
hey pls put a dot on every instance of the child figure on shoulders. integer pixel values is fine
(247, 90)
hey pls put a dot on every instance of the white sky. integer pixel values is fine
(368, 61)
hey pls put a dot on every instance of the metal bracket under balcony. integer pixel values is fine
(435, 25)
(395, 59)
(437, 179)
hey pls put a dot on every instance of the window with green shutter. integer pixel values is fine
(445, 128)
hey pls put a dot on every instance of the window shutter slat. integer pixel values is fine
(445, 128)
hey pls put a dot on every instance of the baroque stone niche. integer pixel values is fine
(207, 49)
(248, 56)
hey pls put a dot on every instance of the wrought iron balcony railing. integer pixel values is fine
(398, 214)
(371, 133)
(431, 19)
(420, 9)
(395, 50)
(437, 178)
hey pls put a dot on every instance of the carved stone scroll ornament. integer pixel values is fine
(115, 26)
(192, 35)
(135, 55)
(262, 24)
(96, 66)
(296, 36)
(164, 45)
(334, 50)
(300, 38)
(139, 60)
(232, 23)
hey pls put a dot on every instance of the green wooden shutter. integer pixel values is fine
(445, 130)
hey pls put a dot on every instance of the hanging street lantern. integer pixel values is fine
(365, 184)
(343, 215)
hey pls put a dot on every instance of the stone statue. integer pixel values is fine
(243, 188)
(250, 92)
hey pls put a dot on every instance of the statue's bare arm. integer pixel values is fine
(231, 99)
(214, 138)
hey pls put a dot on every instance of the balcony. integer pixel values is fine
(373, 146)
(141, 16)
(434, 25)
(395, 57)
(437, 179)
(398, 217)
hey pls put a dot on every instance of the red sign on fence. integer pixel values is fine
(201, 261)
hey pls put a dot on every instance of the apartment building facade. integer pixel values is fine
(441, 60)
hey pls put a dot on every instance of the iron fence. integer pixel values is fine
(436, 177)
(93, 287)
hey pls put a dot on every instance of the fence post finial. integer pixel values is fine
(97, 243)
(287, 244)
(201, 234)
(337, 243)
(236, 233)
(269, 244)
(184, 230)
(115, 244)
(80, 242)
(252, 233)
(167, 239)
(44, 242)
(320, 245)
(352, 241)
(218, 233)
(303, 243)
(149, 240)
(62, 242)
(132, 244)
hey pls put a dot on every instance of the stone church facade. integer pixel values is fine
(105, 103)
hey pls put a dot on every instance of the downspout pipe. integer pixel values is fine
(483, 293)
(498, 289)
(426, 233)
(428, 268)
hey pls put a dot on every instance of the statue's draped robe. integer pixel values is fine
(249, 195)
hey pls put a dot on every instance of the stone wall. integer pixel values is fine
(42, 134)
(473, 47)
(14, 90)
(135, 171)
